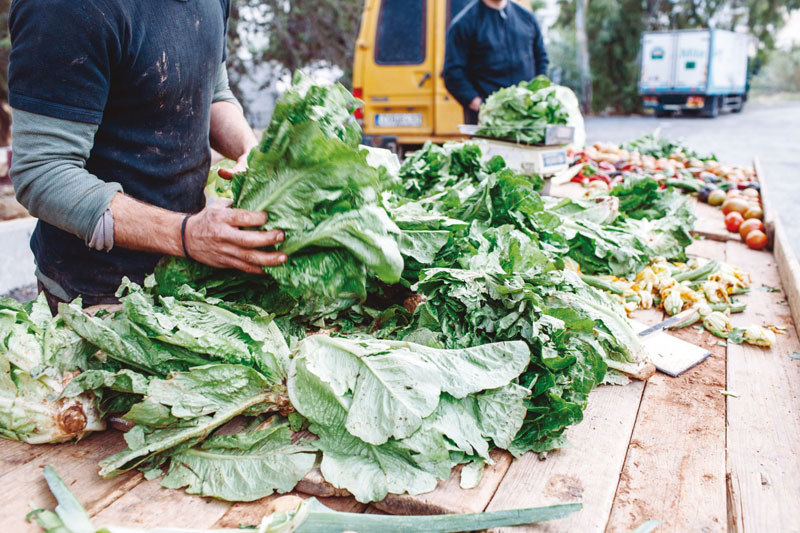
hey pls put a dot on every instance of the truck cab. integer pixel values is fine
(397, 72)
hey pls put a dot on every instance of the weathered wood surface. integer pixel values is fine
(587, 471)
(710, 223)
(675, 468)
(76, 463)
(764, 420)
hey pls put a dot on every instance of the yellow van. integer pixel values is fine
(397, 71)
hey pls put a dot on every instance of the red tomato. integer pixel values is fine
(749, 225)
(733, 220)
(756, 239)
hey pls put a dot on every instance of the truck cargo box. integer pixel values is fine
(704, 71)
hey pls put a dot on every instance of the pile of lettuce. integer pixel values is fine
(427, 315)
(39, 357)
(315, 183)
(521, 113)
(386, 416)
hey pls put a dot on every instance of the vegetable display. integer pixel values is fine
(675, 166)
(428, 314)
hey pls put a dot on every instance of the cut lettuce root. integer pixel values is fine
(309, 516)
(38, 359)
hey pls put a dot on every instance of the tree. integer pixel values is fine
(614, 30)
(291, 35)
(581, 6)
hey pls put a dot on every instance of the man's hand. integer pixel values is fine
(475, 104)
(214, 237)
(240, 166)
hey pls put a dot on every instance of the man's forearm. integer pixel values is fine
(230, 133)
(145, 227)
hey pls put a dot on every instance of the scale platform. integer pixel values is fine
(543, 159)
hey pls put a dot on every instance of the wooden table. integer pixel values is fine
(674, 450)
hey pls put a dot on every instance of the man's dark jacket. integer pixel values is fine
(488, 49)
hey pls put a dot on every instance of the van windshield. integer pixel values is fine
(401, 32)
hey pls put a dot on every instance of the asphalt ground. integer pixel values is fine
(769, 131)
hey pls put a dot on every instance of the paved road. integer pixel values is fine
(770, 131)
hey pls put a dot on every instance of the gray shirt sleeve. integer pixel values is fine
(48, 169)
(222, 87)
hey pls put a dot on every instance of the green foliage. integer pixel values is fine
(782, 72)
(614, 32)
(291, 35)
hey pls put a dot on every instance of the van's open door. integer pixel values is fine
(399, 72)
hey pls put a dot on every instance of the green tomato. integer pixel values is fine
(716, 197)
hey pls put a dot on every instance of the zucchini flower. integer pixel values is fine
(715, 292)
(673, 302)
(759, 336)
(717, 323)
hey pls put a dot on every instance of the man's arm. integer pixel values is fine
(541, 61)
(456, 57)
(230, 133)
(51, 181)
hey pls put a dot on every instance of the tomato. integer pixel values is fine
(749, 225)
(716, 197)
(750, 193)
(738, 205)
(753, 211)
(756, 239)
(733, 193)
(733, 220)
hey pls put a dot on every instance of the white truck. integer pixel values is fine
(695, 71)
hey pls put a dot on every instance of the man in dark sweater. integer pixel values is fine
(491, 44)
(115, 106)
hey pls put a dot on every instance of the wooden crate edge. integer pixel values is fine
(788, 266)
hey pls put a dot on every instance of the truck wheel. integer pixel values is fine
(713, 107)
(738, 107)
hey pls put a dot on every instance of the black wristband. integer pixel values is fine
(183, 236)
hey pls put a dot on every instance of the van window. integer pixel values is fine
(401, 32)
(454, 7)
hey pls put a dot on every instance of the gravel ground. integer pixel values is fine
(770, 131)
(22, 294)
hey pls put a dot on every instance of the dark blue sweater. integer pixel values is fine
(144, 72)
(488, 49)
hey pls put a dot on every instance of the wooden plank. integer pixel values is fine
(675, 468)
(76, 463)
(600, 440)
(789, 272)
(770, 218)
(710, 222)
(449, 497)
(763, 422)
(149, 505)
(586, 471)
(14, 454)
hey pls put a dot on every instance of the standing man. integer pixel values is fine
(115, 105)
(491, 44)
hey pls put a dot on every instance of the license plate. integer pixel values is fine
(398, 120)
